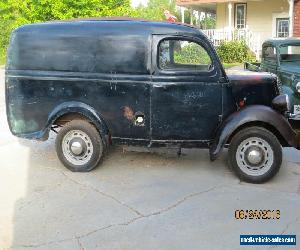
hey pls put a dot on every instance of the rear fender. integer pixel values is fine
(250, 114)
(79, 108)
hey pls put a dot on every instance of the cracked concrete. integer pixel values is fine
(126, 223)
(134, 200)
(288, 225)
(104, 194)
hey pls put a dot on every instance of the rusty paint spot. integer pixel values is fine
(128, 113)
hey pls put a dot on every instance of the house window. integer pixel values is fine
(282, 27)
(240, 15)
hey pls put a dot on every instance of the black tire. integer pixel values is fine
(270, 160)
(89, 137)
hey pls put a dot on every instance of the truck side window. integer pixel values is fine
(269, 53)
(183, 55)
(289, 53)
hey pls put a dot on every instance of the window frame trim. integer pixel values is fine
(211, 72)
(235, 14)
(280, 19)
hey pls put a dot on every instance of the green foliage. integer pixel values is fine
(5, 26)
(208, 23)
(2, 59)
(193, 54)
(234, 51)
(14, 13)
(30, 11)
(155, 10)
(187, 16)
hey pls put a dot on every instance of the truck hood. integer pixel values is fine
(245, 77)
(253, 87)
(291, 67)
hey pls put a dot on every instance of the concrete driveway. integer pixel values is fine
(134, 200)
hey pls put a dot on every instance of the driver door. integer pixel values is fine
(186, 95)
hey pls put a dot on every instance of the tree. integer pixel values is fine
(155, 9)
(45, 10)
(208, 22)
(14, 13)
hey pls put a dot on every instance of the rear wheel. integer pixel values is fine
(79, 146)
(255, 154)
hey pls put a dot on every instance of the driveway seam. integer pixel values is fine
(80, 244)
(285, 230)
(126, 223)
(288, 225)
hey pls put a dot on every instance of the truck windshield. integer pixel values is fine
(289, 53)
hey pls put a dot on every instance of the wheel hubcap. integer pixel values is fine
(77, 147)
(254, 156)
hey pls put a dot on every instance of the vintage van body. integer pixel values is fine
(98, 82)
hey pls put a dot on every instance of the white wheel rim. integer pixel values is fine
(254, 156)
(77, 147)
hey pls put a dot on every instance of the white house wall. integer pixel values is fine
(261, 16)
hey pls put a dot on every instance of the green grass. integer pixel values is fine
(230, 65)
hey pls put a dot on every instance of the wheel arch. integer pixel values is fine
(256, 115)
(77, 110)
(262, 124)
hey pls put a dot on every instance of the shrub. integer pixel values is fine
(234, 51)
(192, 53)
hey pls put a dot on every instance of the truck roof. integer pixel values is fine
(120, 19)
(282, 41)
(122, 25)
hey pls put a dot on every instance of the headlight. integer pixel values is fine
(298, 87)
(281, 103)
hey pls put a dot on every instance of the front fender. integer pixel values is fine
(255, 113)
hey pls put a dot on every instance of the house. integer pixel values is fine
(251, 20)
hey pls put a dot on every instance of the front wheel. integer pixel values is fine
(79, 146)
(255, 154)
